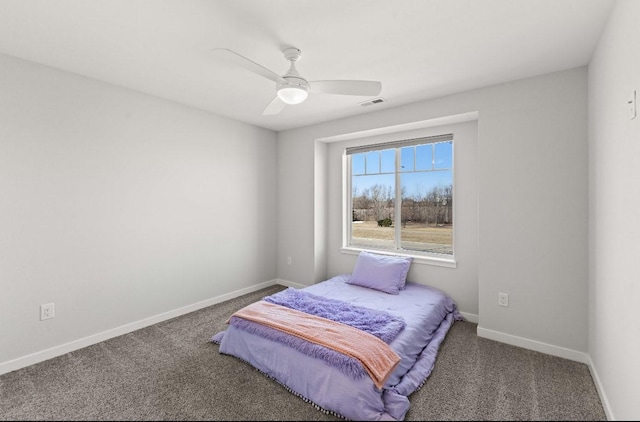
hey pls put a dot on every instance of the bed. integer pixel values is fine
(373, 308)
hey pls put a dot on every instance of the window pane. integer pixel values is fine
(444, 153)
(407, 158)
(373, 162)
(373, 200)
(357, 164)
(388, 161)
(426, 199)
(427, 212)
(424, 157)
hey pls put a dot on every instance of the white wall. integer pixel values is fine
(614, 219)
(118, 206)
(532, 189)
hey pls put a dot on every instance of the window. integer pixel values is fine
(401, 197)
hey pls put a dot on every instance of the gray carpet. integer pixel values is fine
(170, 371)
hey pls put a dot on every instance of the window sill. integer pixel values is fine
(417, 258)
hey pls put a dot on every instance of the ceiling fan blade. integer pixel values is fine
(346, 87)
(248, 64)
(274, 107)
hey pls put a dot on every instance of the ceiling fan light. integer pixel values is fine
(292, 94)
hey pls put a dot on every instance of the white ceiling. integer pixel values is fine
(418, 49)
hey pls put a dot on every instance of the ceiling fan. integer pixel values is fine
(291, 88)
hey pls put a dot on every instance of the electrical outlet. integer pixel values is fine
(47, 311)
(503, 299)
(288, 260)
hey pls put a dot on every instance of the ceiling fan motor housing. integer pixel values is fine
(293, 81)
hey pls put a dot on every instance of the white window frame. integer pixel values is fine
(430, 258)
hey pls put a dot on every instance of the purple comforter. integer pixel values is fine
(428, 313)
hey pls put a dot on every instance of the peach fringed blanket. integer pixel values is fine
(378, 359)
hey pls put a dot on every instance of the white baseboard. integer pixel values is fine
(62, 349)
(288, 283)
(534, 345)
(600, 388)
(470, 317)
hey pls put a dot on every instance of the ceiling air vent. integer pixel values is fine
(372, 102)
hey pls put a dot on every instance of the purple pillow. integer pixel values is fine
(381, 272)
